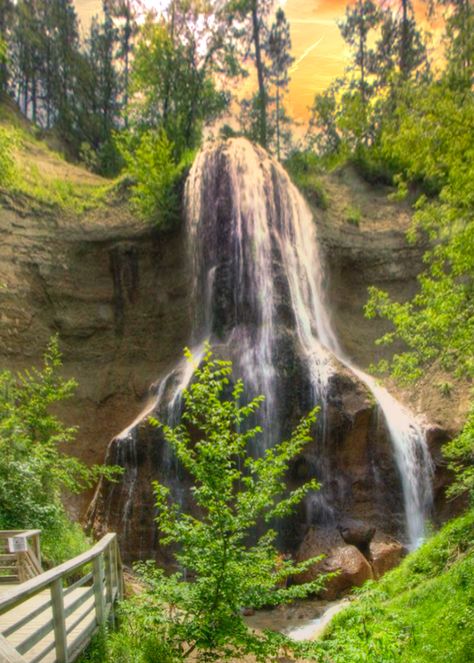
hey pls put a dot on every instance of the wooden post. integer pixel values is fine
(119, 570)
(98, 579)
(37, 548)
(59, 619)
(110, 582)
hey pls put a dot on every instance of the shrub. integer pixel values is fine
(305, 169)
(353, 216)
(156, 175)
(33, 470)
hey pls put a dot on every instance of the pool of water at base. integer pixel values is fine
(302, 620)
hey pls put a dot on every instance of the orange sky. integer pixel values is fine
(319, 51)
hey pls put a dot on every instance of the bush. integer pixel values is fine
(305, 169)
(33, 471)
(151, 164)
(353, 216)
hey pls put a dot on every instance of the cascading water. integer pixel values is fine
(267, 228)
(258, 287)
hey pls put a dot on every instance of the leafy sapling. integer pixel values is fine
(225, 547)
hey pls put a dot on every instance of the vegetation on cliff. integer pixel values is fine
(34, 469)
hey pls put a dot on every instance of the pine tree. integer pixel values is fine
(400, 52)
(125, 12)
(6, 9)
(358, 22)
(459, 17)
(248, 19)
(278, 49)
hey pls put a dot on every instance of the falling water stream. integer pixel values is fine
(279, 228)
(256, 263)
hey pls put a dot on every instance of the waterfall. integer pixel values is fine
(258, 295)
(251, 245)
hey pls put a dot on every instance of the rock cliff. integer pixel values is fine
(118, 295)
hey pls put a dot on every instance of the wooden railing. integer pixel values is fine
(53, 616)
(20, 555)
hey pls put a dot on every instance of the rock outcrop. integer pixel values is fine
(116, 293)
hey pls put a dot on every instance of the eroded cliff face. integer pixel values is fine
(118, 295)
(114, 291)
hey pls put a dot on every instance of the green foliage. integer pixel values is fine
(151, 164)
(353, 216)
(460, 455)
(33, 470)
(431, 141)
(421, 612)
(174, 89)
(8, 173)
(225, 562)
(305, 170)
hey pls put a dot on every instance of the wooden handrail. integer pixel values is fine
(7, 533)
(23, 563)
(67, 619)
(31, 587)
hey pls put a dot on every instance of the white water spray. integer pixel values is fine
(271, 223)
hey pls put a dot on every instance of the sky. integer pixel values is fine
(319, 51)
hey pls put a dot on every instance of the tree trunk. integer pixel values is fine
(278, 121)
(261, 83)
(404, 42)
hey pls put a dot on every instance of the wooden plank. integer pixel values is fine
(39, 657)
(81, 598)
(29, 617)
(59, 618)
(33, 638)
(9, 654)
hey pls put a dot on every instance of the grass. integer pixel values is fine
(29, 168)
(353, 216)
(421, 612)
(304, 169)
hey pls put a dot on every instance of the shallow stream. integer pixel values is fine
(303, 620)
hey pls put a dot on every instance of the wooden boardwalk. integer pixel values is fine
(52, 617)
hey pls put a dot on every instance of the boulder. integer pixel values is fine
(350, 566)
(385, 555)
(357, 533)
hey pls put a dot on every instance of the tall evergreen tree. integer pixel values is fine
(249, 21)
(359, 20)
(126, 13)
(6, 9)
(400, 51)
(459, 17)
(278, 49)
